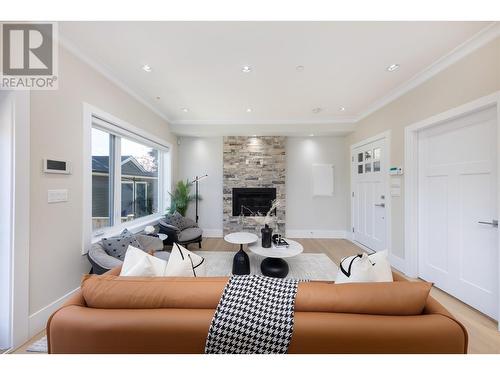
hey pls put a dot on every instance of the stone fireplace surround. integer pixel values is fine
(253, 162)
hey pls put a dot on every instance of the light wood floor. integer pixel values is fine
(483, 334)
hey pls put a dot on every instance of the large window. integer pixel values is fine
(128, 176)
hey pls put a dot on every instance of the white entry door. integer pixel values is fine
(369, 195)
(457, 246)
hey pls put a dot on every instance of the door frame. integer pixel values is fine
(387, 137)
(20, 219)
(411, 186)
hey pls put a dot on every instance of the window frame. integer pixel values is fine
(96, 118)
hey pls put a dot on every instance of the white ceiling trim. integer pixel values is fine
(110, 76)
(480, 39)
(337, 120)
(477, 41)
(263, 129)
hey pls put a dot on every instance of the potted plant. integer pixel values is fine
(181, 197)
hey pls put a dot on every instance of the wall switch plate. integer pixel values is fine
(56, 196)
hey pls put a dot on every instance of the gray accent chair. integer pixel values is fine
(102, 262)
(192, 234)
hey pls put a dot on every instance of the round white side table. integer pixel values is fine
(241, 263)
(274, 265)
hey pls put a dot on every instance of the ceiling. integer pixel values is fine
(198, 66)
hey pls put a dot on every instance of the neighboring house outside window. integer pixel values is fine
(139, 190)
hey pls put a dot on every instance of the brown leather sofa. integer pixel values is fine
(172, 315)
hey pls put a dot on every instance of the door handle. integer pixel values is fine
(493, 223)
(383, 205)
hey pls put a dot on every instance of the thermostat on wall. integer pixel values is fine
(56, 166)
(395, 171)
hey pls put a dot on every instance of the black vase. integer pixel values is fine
(266, 236)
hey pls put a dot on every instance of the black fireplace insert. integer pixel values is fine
(252, 201)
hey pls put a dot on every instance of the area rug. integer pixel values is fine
(39, 346)
(305, 266)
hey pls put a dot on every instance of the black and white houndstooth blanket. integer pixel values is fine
(254, 316)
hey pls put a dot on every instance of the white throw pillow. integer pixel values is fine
(140, 263)
(381, 266)
(183, 262)
(364, 269)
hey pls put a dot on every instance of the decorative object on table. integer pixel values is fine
(279, 241)
(258, 217)
(241, 262)
(149, 229)
(197, 196)
(153, 233)
(184, 263)
(181, 197)
(273, 265)
(266, 236)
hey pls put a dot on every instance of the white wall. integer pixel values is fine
(307, 215)
(199, 156)
(56, 264)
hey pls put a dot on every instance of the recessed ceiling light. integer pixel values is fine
(185, 109)
(249, 110)
(392, 68)
(246, 69)
(317, 110)
(299, 68)
(341, 109)
(311, 135)
(147, 68)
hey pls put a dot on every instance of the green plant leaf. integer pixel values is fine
(181, 197)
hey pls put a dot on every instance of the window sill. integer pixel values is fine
(135, 226)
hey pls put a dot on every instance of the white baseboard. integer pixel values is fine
(212, 233)
(313, 233)
(38, 320)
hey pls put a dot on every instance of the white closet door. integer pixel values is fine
(457, 209)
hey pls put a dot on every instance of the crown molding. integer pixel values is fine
(334, 121)
(480, 39)
(70, 46)
(318, 129)
(475, 42)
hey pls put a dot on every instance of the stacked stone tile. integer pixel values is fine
(253, 162)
